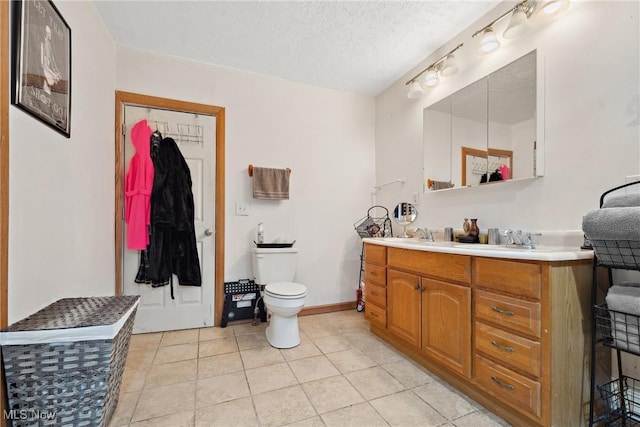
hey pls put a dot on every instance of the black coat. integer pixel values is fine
(172, 241)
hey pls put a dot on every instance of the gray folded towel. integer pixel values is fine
(624, 304)
(270, 183)
(624, 201)
(612, 224)
(624, 298)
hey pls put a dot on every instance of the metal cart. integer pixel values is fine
(370, 226)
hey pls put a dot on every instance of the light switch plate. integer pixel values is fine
(242, 209)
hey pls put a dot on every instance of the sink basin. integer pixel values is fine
(414, 241)
(481, 246)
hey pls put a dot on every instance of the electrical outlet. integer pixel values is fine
(416, 198)
(242, 209)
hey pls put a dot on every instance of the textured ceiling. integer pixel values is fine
(355, 46)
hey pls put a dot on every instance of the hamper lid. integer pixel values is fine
(72, 319)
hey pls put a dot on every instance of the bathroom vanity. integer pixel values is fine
(508, 327)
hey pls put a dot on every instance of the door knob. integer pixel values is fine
(208, 232)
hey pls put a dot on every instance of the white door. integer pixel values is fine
(193, 305)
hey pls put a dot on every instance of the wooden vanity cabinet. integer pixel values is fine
(428, 312)
(375, 284)
(511, 334)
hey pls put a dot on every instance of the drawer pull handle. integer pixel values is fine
(374, 293)
(373, 314)
(502, 383)
(373, 274)
(501, 347)
(501, 311)
(416, 286)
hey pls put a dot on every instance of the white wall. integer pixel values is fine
(326, 137)
(61, 190)
(591, 98)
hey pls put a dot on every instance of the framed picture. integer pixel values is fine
(41, 78)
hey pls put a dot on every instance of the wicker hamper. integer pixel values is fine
(63, 364)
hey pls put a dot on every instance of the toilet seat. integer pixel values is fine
(285, 290)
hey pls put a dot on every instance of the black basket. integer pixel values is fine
(372, 226)
(621, 403)
(623, 254)
(240, 299)
(618, 330)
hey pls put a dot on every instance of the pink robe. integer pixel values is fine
(137, 187)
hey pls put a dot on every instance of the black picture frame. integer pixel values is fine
(41, 63)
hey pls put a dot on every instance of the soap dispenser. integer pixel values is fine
(260, 233)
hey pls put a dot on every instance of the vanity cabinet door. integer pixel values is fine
(403, 306)
(446, 324)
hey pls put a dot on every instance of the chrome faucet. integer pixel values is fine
(426, 234)
(520, 239)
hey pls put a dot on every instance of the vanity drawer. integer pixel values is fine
(376, 254)
(376, 295)
(510, 387)
(433, 264)
(519, 278)
(513, 313)
(375, 274)
(375, 315)
(511, 349)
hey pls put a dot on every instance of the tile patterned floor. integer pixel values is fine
(339, 375)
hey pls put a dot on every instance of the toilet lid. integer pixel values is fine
(286, 290)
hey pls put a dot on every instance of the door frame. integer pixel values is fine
(146, 101)
(4, 176)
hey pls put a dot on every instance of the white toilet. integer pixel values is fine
(275, 268)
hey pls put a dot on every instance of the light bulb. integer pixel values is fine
(549, 8)
(489, 42)
(431, 78)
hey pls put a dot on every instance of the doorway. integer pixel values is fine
(199, 131)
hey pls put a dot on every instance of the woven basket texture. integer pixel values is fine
(623, 254)
(69, 384)
(77, 313)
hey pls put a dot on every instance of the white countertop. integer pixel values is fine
(541, 253)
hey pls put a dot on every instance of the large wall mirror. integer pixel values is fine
(487, 132)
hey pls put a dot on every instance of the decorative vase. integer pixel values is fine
(466, 226)
(474, 231)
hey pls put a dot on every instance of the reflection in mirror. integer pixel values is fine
(404, 214)
(469, 132)
(512, 114)
(485, 132)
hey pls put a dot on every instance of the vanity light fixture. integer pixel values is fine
(445, 66)
(519, 22)
(518, 25)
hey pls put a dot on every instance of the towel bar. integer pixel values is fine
(250, 170)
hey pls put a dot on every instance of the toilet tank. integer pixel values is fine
(274, 264)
